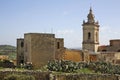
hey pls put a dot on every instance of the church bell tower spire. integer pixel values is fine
(90, 33)
(90, 16)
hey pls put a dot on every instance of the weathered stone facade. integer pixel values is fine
(76, 55)
(73, 55)
(39, 48)
(77, 76)
(59, 47)
(65, 76)
(113, 47)
(20, 51)
(111, 57)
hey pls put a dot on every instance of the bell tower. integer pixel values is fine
(90, 33)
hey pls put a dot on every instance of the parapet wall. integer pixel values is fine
(41, 35)
(65, 76)
(73, 55)
(37, 74)
(76, 76)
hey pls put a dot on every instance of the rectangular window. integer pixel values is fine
(22, 44)
(58, 45)
(89, 35)
(25, 47)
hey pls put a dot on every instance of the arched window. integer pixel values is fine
(89, 35)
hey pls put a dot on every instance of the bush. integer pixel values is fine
(29, 66)
(62, 66)
(6, 64)
(69, 66)
(19, 77)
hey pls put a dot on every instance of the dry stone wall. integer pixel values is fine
(85, 77)
(37, 74)
(64, 76)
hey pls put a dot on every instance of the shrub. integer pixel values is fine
(6, 64)
(28, 66)
(62, 66)
(69, 66)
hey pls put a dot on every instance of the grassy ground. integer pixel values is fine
(84, 70)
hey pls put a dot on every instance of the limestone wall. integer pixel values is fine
(40, 48)
(85, 77)
(109, 56)
(90, 37)
(20, 51)
(113, 47)
(73, 55)
(115, 43)
(64, 76)
(37, 74)
(59, 48)
(27, 48)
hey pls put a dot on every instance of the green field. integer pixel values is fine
(8, 50)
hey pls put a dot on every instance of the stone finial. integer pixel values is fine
(90, 16)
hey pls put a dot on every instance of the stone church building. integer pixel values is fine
(39, 48)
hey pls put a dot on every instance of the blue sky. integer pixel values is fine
(61, 17)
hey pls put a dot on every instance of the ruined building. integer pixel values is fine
(39, 48)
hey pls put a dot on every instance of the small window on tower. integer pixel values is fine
(104, 50)
(58, 45)
(89, 35)
(25, 47)
(22, 44)
(96, 36)
(119, 50)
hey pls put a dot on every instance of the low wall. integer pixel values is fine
(65, 76)
(73, 55)
(85, 77)
(37, 74)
